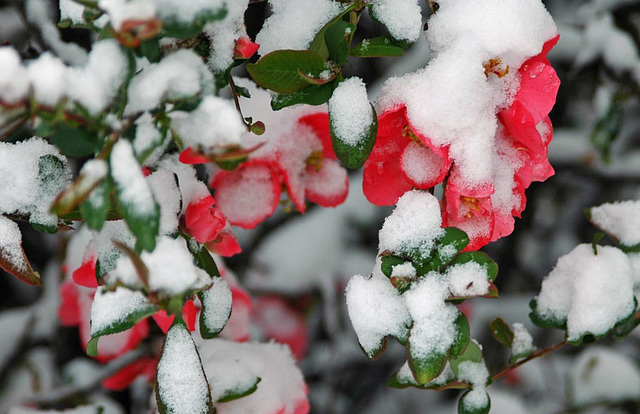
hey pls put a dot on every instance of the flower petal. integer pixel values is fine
(383, 182)
(327, 186)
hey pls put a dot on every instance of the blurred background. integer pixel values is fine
(305, 261)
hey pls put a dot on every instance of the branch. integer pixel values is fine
(538, 354)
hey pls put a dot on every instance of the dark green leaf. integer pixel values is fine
(462, 338)
(278, 70)
(203, 258)
(234, 394)
(311, 95)
(377, 47)
(543, 321)
(319, 45)
(94, 209)
(150, 48)
(607, 128)
(425, 367)
(354, 155)
(182, 30)
(502, 332)
(624, 329)
(242, 91)
(389, 262)
(74, 141)
(453, 242)
(335, 38)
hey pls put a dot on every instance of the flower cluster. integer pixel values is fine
(405, 158)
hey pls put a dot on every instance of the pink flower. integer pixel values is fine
(280, 322)
(534, 100)
(401, 159)
(300, 161)
(244, 48)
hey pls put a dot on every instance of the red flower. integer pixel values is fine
(189, 156)
(401, 159)
(534, 100)
(301, 161)
(278, 321)
(244, 48)
(204, 221)
(189, 314)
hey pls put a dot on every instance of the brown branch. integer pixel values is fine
(236, 101)
(538, 354)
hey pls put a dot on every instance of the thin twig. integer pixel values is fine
(237, 101)
(538, 354)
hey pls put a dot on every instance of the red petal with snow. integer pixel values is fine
(391, 138)
(204, 221)
(383, 182)
(248, 194)
(328, 186)
(280, 322)
(319, 122)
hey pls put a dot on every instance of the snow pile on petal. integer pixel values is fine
(590, 292)
(231, 365)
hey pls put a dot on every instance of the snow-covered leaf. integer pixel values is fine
(311, 95)
(216, 308)
(95, 208)
(181, 382)
(12, 257)
(116, 311)
(481, 258)
(92, 173)
(234, 394)
(468, 404)
(377, 47)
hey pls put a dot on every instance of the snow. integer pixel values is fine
(133, 191)
(451, 101)
(70, 10)
(603, 374)
(468, 279)
(404, 270)
(171, 269)
(120, 11)
(110, 308)
(223, 34)
(83, 409)
(415, 222)
(47, 76)
(522, 341)
(620, 219)
(475, 373)
(14, 81)
(231, 365)
(350, 112)
(14, 325)
(147, 136)
(216, 303)
(22, 190)
(402, 18)
(292, 26)
(95, 85)
(590, 292)
(11, 244)
(182, 384)
(107, 253)
(433, 318)
(191, 188)
(179, 75)
(166, 192)
(420, 164)
(213, 125)
(187, 12)
(376, 310)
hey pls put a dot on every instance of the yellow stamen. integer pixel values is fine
(315, 160)
(408, 132)
(495, 66)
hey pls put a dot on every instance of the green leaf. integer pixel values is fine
(278, 70)
(472, 353)
(203, 258)
(389, 262)
(502, 332)
(465, 406)
(335, 38)
(607, 128)
(311, 95)
(482, 259)
(235, 393)
(624, 329)
(74, 142)
(120, 321)
(449, 246)
(150, 48)
(182, 30)
(354, 155)
(594, 243)
(319, 44)
(462, 339)
(377, 47)
(94, 209)
(543, 321)
(426, 367)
